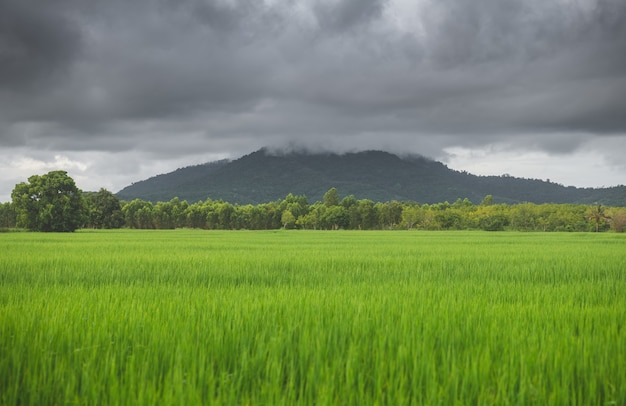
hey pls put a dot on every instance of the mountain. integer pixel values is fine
(380, 176)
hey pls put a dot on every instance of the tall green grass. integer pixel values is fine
(277, 317)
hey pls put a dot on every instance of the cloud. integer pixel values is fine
(36, 44)
(172, 78)
(340, 16)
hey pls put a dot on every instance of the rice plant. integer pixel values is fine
(279, 317)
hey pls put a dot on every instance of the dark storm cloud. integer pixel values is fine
(342, 16)
(119, 75)
(36, 43)
(483, 31)
(551, 65)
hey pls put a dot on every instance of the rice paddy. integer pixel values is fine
(312, 317)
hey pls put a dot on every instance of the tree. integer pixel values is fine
(449, 219)
(487, 201)
(310, 220)
(390, 214)
(170, 215)
(596, 215)
(493, 218)
(145, 216)
(288, 220)
(335, 217)
(524, 216)
(617, 218)
(242, 217)
(410, 216)
(135, 214)
(49, 202)
(224, 211)
(179, 210)
(162, 216)
(354, 219)
(8, 217)
(196, 215)
(104, 210)
(331, 198)
(367, 213)
(297, 205)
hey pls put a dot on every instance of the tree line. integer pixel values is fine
(52, 202)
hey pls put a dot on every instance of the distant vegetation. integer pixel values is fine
(262, 177)
(294, 212)
(52, 203)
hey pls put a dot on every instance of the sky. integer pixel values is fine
(114, 92)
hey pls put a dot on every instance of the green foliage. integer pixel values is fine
(617, 219)
(104, 210)
(597, 216)
(334, 217)
(138, 214)
(8, 216)
(49, 202)
(288, 220)
(352, 214)
(389, 214)
(280, 317)
(331, 198)
(297, 205)
(493, 217)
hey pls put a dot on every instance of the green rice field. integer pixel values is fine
(190, 317)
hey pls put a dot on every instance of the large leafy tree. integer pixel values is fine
(49, 202)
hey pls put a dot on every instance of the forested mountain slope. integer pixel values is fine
(380, 176)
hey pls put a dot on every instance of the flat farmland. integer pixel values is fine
(312, 317)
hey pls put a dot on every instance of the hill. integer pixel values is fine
(380, 176)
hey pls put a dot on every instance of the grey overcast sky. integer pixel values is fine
(116, 91)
